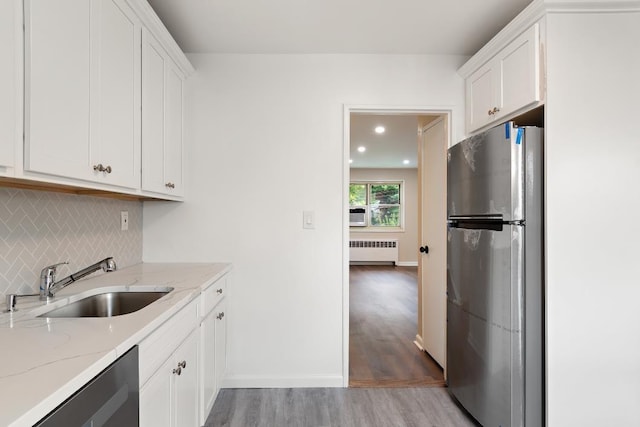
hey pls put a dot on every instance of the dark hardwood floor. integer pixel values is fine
(383, 304)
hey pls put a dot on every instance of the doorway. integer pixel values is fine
(366, 284)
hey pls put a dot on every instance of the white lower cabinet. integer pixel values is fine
(170, 397)
(221, 344)
(213, 349)
(180, 378)
(213, 360)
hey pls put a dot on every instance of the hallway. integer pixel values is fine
(383, 324)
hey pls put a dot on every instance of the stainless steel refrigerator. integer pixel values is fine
(495, 276)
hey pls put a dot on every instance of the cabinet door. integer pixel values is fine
(155, 398)
(174, 132)
(221, 344)
(8, 82)
(115, 104)
(186, 383)
(153, 102)
(162, 129)
(519, 72)
(83, 90)
(481, 96)
(57, 86)
(207, 365)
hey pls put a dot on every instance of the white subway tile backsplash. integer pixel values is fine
(40, 228)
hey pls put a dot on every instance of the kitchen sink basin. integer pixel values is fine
(107, 304)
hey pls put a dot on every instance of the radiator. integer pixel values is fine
(371, 250)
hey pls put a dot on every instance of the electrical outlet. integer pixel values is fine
(124, 220)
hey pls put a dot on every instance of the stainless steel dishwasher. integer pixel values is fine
(111, 399)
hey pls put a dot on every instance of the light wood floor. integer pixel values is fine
(383, 304)
(337, 407)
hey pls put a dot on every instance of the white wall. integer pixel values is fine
(265, 143)
(593, 197)
(407, 239)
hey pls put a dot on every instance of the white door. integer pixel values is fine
(433, 234)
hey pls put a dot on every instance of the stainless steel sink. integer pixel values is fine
(107, 304)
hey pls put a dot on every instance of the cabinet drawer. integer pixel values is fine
(212, 295)
(158, 346)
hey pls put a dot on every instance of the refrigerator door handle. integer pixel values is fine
(477, 224)
(491, 217)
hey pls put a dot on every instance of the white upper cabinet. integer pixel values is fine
(82, 90)
(508, 82)
(482, 97)
(57, 64)
(8, 83)
(162, 132)
(115, 110)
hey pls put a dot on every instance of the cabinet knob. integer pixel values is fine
(100, 168)
(219, 290)
(178, 370)
(182, 364)
(220, 316)
(170, 185)
(490, 112)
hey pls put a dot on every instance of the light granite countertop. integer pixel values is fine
(43, 361)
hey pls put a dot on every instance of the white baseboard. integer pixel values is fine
(249, 381)
(419, 343)
(407, 263)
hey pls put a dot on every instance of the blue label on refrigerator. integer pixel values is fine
(519, 136)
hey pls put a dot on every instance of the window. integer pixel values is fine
(382, 202)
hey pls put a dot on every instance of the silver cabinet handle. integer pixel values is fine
(182, 364)
(100, 168)
(178, 370)
(220, 316)
(494, 111)
(170, 185)
(219, 290)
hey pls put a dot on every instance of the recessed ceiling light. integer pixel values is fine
(361, 149)
(406, 162)
(379, 129)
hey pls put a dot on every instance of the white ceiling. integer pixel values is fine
(458, 27)
(387, 150)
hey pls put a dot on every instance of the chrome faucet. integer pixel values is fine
(49, 286)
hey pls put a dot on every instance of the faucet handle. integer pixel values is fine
(50, 270)
(48, 274)
(48, 278)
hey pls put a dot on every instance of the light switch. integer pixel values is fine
(308, 219)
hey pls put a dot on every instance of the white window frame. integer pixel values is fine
(376, 228)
